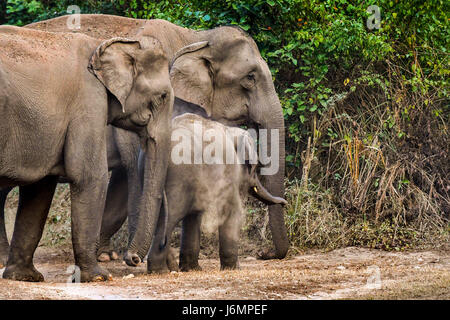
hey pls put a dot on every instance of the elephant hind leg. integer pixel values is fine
(190, 242)
(229, 241)
(4, 245)
(34, 204)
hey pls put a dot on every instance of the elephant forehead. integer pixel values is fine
(151, 57)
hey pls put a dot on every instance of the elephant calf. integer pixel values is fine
(204, 191)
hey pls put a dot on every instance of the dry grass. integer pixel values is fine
(339, 274)
(375, 171)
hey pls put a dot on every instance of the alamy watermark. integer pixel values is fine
(374, 20)
(74, 20)
(230, 146)
(374, 280)
(75, 274)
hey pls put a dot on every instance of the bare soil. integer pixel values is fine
(349, 273)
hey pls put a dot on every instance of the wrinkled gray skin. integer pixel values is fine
(220, 70)
(57, 94)
(206, 195)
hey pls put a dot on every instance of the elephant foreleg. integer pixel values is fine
(4, 245)
(86, 166)
(87, 205)
(34, 204)
(190, 242)
(115, 213)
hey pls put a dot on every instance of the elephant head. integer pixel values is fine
(225, 74)
(135, 73)
(136, 76)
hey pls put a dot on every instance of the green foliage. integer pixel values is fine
(22, 12)
(315, 49)
(320, 50)
(390, 84)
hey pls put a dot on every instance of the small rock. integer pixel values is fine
(420, 259)
(341, 268)
(130, 276)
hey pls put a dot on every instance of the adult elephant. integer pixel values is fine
(57, 94)
(220, 70)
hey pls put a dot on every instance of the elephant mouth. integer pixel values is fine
(239, 121)
(138, 123)
(141, 118)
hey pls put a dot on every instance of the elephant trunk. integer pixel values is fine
(263, 195)
(142, 228)
(275, 182)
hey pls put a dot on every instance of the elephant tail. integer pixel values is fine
(163, 243)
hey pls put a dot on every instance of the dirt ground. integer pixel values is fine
(349, 273)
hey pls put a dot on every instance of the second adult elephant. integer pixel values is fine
(222, 71)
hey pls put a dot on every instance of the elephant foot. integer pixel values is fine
(159, 267)
(132, 259)
(172, 260)
(107, 256)
(229, 263)
(193, 267)
(104, 257)
(3, 260)
(114, 255)
(229, 267)
(162, 270)
(96, 274)
(4, 250)
(17, 273)
(267, 254)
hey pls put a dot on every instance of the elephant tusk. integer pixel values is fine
(255, 189)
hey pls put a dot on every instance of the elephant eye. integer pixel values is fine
(249, 81)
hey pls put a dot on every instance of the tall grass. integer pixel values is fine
(375, 171)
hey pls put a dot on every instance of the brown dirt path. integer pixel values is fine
(341, 274)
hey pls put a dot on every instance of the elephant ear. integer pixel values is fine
(113, 64)
(191, 76)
